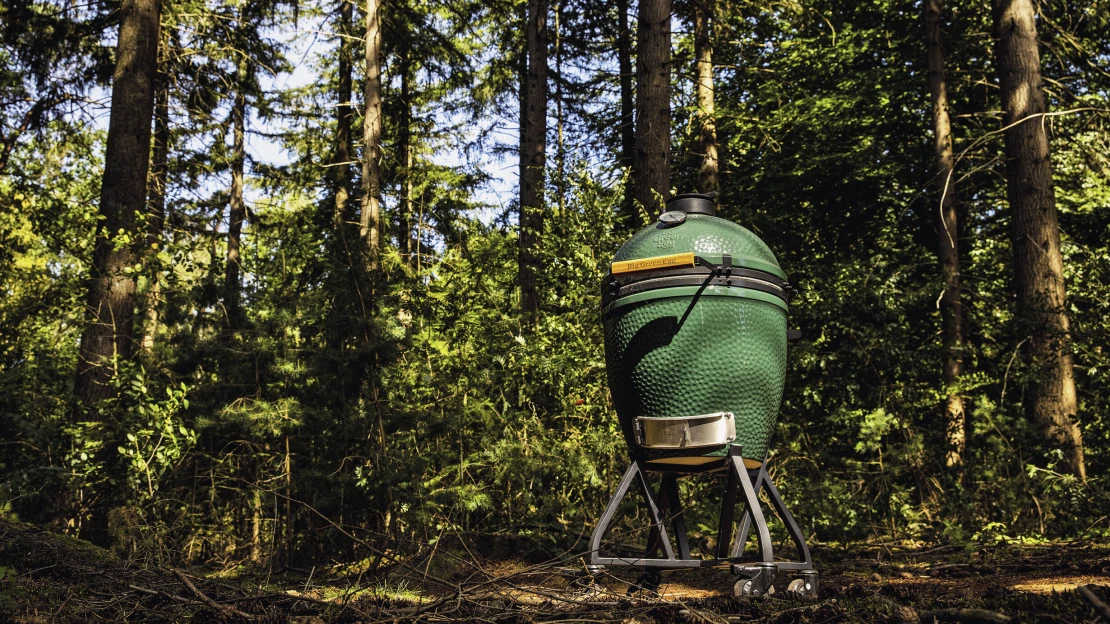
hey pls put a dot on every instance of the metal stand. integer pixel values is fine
(757, 572)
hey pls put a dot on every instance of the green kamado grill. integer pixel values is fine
(695, 310)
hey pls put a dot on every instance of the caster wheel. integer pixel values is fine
(803, 587)
(757, 581)
(746, 588)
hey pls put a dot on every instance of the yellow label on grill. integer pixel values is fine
(658, 262)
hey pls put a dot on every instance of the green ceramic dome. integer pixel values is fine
(684, 339)
(702, 234)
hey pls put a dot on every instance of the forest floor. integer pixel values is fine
(45, 577)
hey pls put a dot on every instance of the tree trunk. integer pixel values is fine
(1038, 265)
(707, 121)
(111, 298)
(404, 223)
(627, 125)
(156, 205)
(560, 146)
(344, 112)
(238, 209)
(948, 251)
(369, 227)
(533, 144)
(256, 523)
(652, 167)
(288, 500)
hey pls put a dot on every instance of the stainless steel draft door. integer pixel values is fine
(686, 432)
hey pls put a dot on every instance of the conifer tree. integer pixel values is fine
(1035, 232)
(627, 106)
(652, 166)
(156, 204)
(406, 155)
(111, 296)
(533, 145)
(706, 116)
(948, 250)
(344, 112)
(237, 212)
(369, 219)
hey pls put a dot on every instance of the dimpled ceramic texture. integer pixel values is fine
(680, 356)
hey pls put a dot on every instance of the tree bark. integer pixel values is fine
(560, 146)
(627, 123)
(404, 223)
(237, 206)
(533, 144)
(256, 523)
(1038, 265)
(652, 167)
(707, 121)
(156, 205)
(369, 219)
(344, 112)
(948, 251)
(111, 298)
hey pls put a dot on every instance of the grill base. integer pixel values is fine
(745, 477)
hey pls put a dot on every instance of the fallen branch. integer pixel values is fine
(222, 608)
(1100, 607)
(152, 592)
(697, 616)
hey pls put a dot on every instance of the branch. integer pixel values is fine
(1043, 117)
(225, 609)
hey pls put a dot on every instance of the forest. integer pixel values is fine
(300, 302)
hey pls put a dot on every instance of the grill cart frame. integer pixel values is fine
(756, 572)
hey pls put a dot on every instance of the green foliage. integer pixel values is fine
(9, 589)
(522, 439)
(157, 438)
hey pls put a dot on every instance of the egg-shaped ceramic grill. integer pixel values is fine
(694, 308)
(695, 314)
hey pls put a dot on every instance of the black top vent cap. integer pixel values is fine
(693, 203)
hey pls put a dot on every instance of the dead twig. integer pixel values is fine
(929, 551)
(222, 608)
(172, 597)
(366, 545)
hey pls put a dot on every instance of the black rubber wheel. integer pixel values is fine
(744, 588)
(802, 588)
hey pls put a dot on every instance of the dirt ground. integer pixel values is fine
(45, 577)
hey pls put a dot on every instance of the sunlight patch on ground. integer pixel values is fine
(673, 591)
(1058, 584)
